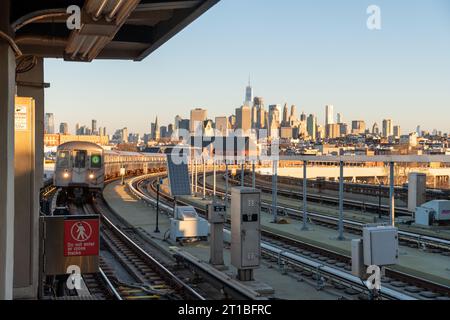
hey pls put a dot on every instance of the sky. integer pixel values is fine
(304, 52)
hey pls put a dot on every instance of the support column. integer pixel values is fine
(391, 193)
(7, 92)
(341, 201)
(274, 190)
(305, 195)
(242, 174)
(29, 180)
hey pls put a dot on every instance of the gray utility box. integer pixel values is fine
(217, 213)
(380, 245)
(245, 228)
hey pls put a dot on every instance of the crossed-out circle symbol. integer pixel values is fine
(81, 231)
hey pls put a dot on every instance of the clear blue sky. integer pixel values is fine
(304, 52)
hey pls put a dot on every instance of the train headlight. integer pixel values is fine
(91, 176)
(66, 175)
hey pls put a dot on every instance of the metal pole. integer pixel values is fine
(380, 189)
(392, 193)
(341, 201)
(214, 180)
(226, 183)
(242, 174)
(157, 207)
(204, 179)
(195, 178)
(192, 174)
(253, 176)
(305, 194)
(274, 190)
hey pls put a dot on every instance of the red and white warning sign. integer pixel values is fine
(81, 237)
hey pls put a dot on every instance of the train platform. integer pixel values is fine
(354, 215)
(138, 214)
(424, 264)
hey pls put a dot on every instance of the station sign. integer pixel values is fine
(81, 237)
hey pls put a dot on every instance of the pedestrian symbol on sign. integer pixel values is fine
(81, 231)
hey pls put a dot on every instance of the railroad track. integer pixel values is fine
(415, 240)
(324, 264)
(152, 280)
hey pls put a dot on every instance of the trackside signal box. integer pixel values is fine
(70, 241)
(245, 231)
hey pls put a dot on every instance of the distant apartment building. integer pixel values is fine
(397, 131)
(56, 139)
(388, 129)
(311, 126)
(49, 123)
(64, 128)
(358, 127)
(198, 116)
(243, 118)
(329, 114)
(333, 131)
(222, 126)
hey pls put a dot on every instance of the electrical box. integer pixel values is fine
(358, 267)
(245, 228)
(380, 245)
(187, 225)
(217, 213)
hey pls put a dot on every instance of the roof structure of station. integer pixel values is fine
(109, 29)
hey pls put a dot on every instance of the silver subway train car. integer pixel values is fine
(85, 166)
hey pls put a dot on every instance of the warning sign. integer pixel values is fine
(81, 237)
(21, 118)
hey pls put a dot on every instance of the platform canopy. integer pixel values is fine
(110, 29)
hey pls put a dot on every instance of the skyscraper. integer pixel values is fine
(248, 93)
(358, 127)
(339, 118)
(222, 126)
(94, 127)
(260, 113)
(198, 115)
(49, 123)
(293, 111)
(243, 118)
(303, 116)
(285, 115)
(329, 115)
(176, 124)
(273, 119)
(77, 129)
(397, 131)
(64, 128)
(387, 128)
(375, 129)
(156, 133)
(311, 127)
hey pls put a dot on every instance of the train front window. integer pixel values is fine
(80, 159)
(62, 159)
(96, 161)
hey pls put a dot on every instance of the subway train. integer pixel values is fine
(83, 167)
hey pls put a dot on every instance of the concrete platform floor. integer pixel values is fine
(143, 216)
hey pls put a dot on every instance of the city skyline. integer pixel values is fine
(401, 72)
